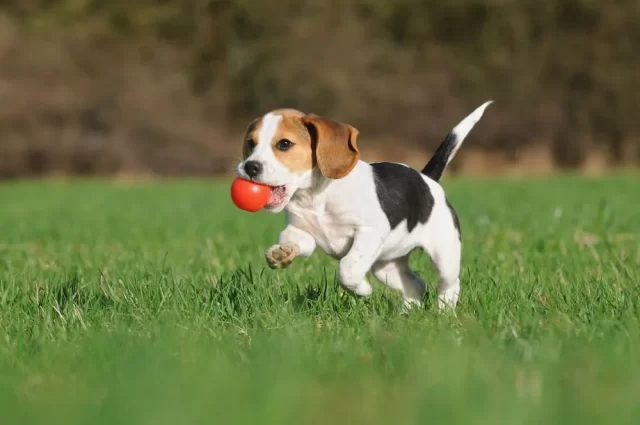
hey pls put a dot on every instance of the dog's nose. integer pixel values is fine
(252, 168)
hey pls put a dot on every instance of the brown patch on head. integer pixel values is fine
(303, 141)
(336, 150)
(251, 137)
(299, 157)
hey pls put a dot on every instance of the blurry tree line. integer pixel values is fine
(167, 86)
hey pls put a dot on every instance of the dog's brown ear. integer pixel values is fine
(334, 144)
(249, 141)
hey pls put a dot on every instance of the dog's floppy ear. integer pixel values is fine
(334, 144)
(246, 143)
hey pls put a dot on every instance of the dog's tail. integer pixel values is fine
(450, 145)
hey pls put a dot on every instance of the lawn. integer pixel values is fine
(150, 303)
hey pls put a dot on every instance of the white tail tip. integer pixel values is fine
(464, 127)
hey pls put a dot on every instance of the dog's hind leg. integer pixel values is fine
(446, 259)
(397, 275)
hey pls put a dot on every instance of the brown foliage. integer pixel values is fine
(167, 86)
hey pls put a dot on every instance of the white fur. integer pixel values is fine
(344, 218)
(464, 127)
(274, 173)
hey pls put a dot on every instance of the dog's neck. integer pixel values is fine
(313, 196)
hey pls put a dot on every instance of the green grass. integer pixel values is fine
(151, 304)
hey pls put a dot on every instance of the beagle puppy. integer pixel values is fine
(369, 216)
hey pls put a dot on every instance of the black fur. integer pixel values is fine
(403, 194)
(438, 162)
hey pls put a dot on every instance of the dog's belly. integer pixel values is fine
(399, 243)
(334, 239)
(393, 251)
(336, 247)
(334, 242)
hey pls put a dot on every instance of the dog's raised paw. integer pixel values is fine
(281, 256)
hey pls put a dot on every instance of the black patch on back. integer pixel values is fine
(403, 194)
(456, 220)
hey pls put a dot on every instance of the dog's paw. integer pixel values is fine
(281, 256)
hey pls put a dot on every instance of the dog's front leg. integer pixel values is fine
(354, 266)
(292, 242)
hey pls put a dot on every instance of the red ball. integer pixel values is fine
(248, 195)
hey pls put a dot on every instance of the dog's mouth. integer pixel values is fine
(278, 197)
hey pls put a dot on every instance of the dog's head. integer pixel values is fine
(284, 147)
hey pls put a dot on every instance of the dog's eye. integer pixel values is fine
(284, 145)
(251, 144)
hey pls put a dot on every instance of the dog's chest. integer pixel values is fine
(330, 228)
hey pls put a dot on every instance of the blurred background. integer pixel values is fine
(166, 87)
